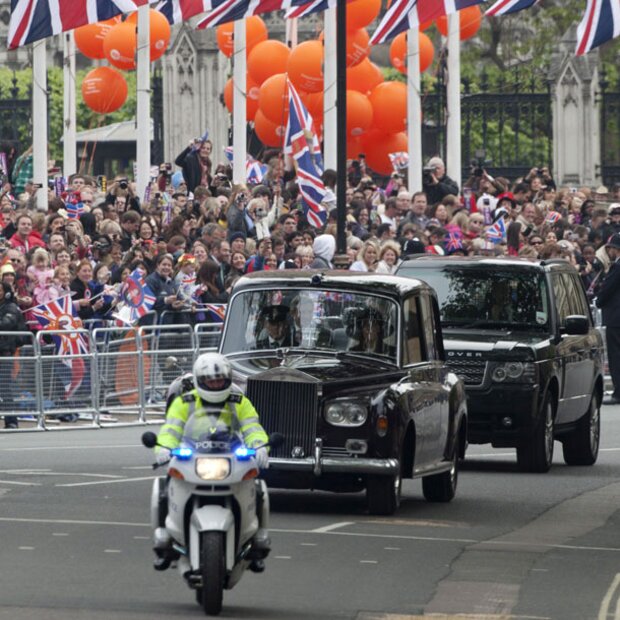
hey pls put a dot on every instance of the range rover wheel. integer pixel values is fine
(581, 446)
(383, 494)
(442, 487)
(537, 455)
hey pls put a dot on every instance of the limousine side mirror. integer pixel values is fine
(576, 325)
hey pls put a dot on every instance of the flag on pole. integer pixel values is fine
(178, 11)
(405, 14)
(300, 140)
(497, 232)
(33, 20)
(505, 7)
(600, 23)
(217, 312)
(307, 8)
(137, 297)
(255, 170)
(232, 10)
(400, 160)
(74, 210)
(59, 315)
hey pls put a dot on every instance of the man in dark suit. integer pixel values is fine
(277, 328)
(608, 300)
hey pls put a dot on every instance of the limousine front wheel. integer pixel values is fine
(383, 494)
(581, 446)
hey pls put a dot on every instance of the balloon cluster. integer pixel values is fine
(376, 109)
(104, 89)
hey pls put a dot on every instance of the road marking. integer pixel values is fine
(21, 484)
(60, 534)
(85, 448)
(603, 613)
(48, 472)
(26, 548)
(381, 616)
(523, 543)
(282, 557)
(142, 538)
(308, 544)
(391, 548)
(90, 484)
(369, 562)
(112, 551)
(330, 528)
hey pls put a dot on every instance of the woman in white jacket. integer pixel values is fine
(389, 257)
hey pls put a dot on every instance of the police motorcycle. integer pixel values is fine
(214, 498)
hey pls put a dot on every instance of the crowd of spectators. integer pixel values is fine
(194, 224)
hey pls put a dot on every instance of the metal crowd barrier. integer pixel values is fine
(122, 378)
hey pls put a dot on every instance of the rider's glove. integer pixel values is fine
(262, 458)
(162, 456)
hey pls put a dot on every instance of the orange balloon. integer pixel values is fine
(359, 113)
(159, 32)
(89, 38)
(360, 13)
(119, 46)
(389, 105)
(354, 147)
(471, 20)
(269, 133)
(398, 52)
(251, 99)
(378, 146)
(364, 77)
(305, 66)
(358, 46)
(313, 103)
(273, 98)
(104, 90)
(255, 32)
(266, 59)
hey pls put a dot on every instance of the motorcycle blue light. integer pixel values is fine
(183, 454)
(244, 454)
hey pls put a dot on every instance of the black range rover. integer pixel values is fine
(520, 335)
(350, 368)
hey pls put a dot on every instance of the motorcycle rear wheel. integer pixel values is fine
(213, 567)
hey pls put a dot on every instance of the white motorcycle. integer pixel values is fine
(212, 528)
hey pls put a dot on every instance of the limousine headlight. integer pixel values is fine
(514, 372)
(346, 413)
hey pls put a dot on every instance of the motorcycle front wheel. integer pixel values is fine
(213, 567)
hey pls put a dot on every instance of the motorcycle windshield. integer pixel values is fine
(205, 433)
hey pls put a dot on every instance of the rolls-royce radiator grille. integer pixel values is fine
(288, 408)
(471, 371)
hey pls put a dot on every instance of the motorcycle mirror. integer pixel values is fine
(276, 440)
(149, 439)
(171, 362)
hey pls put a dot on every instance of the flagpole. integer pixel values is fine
(340, 259)
(453, 158)
(143, 101)
(39, 122)
(240, 148)
(414, 112)
(291, 32)
(330, 113)
(69, 158)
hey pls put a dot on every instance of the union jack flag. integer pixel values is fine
(399, 160)
(497, 232)
(137, 297)
(553, 217)
(307, 8)
(217, 312)
(600, 23)
(33, 20)
(177, 11)
(453, 243)
(255, 170)
(59, 315)
(301, 142)
(505, 7)
(74, 210)
(232, 10)
(405, 14)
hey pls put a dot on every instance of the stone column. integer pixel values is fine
(576, 124)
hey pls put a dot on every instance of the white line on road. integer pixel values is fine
(282, 557)
(369, 562)
(57, 473)
(112, 551)
(21, 484)
(26, 548)
(603, 613)
(333, 526)
(532, 544)
(391, 548)
(60, 534)
(89, 484)
(308, 544)
(85, 448)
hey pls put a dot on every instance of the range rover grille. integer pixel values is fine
(287, 407)
(471, 371)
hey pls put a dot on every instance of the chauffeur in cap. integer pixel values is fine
(277, 326)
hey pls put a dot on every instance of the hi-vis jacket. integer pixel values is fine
(237, 406)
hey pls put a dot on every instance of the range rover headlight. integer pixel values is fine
(346, 413)
(212, 468)
(514, 372)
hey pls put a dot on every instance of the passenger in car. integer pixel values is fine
(368, 329)
(278, 328)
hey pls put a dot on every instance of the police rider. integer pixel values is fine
(213, 394)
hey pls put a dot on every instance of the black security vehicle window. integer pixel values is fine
(412, 349)
(560, 292)
(576, 297)
(430, 334)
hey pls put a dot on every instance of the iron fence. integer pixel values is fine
(609, 100)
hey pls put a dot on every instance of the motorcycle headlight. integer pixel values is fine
(517, 372)
(212, 468)
(346, 413)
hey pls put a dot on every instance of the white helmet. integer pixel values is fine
(212, 377)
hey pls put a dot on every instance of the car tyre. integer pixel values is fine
(581, 446)
(537, 455)
(442, 487)
(383, 494)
